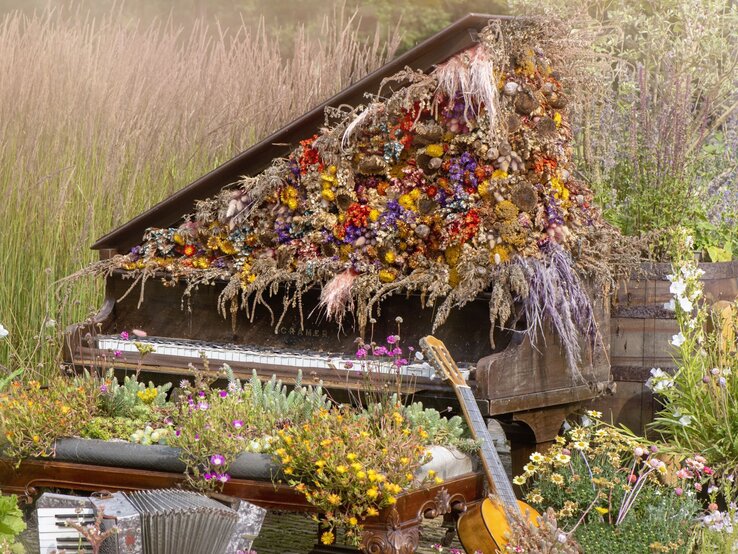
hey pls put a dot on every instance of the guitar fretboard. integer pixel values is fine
(491, 460)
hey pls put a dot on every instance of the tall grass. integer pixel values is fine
(102, 118)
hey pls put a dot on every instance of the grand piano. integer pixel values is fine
(524, 385)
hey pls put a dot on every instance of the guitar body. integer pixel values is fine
(484, 527)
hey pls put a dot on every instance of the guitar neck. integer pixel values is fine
(493, 467)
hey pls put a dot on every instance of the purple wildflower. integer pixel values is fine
(203, 406)
(117, 354)
(348, 365)
(238, 423)
(224, 477)
(392, 339)
(401, 362)
(223, 394)
(103, 388)
(361, 353)
(396, 351)
(217, 460)
(208, 476)
(124, 335)
(380, 351)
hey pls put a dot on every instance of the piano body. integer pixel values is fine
(529, 389)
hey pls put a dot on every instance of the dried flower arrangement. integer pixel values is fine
(456, 183)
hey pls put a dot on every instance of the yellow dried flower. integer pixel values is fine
(434, 150)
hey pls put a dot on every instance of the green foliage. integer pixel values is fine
(655, 115)
(661, 522)
(7, 379)
(607, 489)
(450, 432)
(350, 464)
(151, 435)
(107, 428)
(11, 525)
(131, 399)
(33, 417)
(241, 419)
(700, 407)
(273, 403)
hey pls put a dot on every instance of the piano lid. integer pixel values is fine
(434, 50)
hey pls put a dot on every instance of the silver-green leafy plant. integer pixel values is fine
(132, 399)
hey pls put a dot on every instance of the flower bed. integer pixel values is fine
(350, 462)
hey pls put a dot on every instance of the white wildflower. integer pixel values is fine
(678, 288)
(685, 303)
(685, 420)
(670, 306)
(678, 340)
(3, 332)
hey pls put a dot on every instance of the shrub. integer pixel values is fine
(607, 492)
(33, 417)
(699, 411)
(350, 464)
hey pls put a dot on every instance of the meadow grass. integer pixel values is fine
(102, 118)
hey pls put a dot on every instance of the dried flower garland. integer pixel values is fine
(458, 182)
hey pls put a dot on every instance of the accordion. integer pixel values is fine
(148, 522)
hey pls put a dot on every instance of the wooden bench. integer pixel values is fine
(396, 530)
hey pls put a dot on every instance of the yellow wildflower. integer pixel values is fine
(372, 492)
(602, 511)
(372, 511)
(557, 479)
(353, 521)
(327, 538)
(341, 469)
(350, 456)
(320, 463)
(334, 499)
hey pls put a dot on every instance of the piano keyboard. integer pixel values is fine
(56, 536)
(304, 360)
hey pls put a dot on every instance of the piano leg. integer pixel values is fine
(544, 425)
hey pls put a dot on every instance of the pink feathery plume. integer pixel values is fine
(336, 298)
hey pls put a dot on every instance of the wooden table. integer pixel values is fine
(396, 530)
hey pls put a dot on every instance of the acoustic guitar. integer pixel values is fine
(484, 527)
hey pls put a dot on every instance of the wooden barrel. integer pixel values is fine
(641, 331)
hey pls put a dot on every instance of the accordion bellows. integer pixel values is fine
(183, 522)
